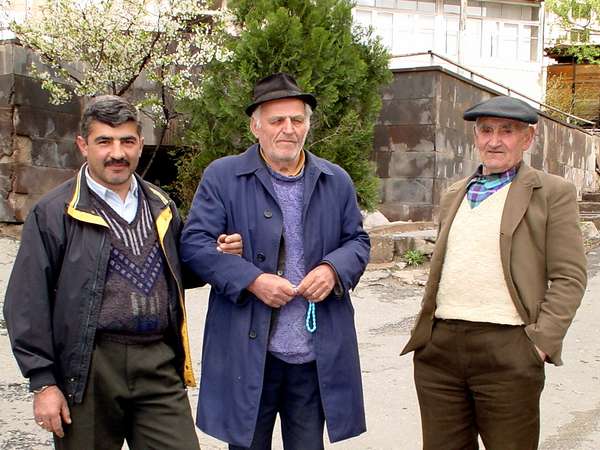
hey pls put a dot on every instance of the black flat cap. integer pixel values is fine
(275, 87)
(504, 107)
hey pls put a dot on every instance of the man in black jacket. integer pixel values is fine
(94, 306)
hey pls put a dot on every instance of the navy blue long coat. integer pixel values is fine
(236, 196)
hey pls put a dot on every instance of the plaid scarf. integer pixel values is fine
(482, 186)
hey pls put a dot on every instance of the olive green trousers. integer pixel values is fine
(479, 379)
(135, 394)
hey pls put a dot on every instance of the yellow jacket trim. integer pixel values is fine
(82, 215)
(162, 225)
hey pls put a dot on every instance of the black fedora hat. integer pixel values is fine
(277, 86)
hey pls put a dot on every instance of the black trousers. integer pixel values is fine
(292, 390)
(476, 378)
(134, 393)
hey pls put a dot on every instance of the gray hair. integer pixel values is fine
(256, 114)
(111, 110)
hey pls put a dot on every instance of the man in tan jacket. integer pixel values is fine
(507, 275)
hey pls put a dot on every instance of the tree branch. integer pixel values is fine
(53, 62)
(142, 65)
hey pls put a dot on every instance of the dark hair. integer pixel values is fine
(111, 110)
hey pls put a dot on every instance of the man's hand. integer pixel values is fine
(272, 290)
(317, 284)
(541, 353)
(50, 410)
(231, 244)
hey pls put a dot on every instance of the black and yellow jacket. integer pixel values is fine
(55, 291)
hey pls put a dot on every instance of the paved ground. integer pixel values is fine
(386, 302)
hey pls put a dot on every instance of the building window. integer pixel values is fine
(509, 41)
(473, 8)
(426, 6)
(451, 7)
(385, 3)
(451, 36)
(528, 43)
(425, 33)
(489, 39)
(404, 34)
(530, 13)
(384, 24)
(363, 18)
(494, 30)
(579, 35)
(410, 5)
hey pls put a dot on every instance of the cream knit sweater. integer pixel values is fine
(472, 285)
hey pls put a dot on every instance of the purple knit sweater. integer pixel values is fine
(290, 341)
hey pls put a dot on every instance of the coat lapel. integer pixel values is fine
(518, 198)
(263, 175)
(251, 162)
(313, 170)
(517, 202)
(455, 196)
(310, 181)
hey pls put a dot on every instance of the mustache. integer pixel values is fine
(115, 162)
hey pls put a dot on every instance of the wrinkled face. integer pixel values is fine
(281, 128)
(112, 154)
(501, 142)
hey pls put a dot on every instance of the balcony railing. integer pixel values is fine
(475, 76)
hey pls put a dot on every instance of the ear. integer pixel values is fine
(253, 127)
(141, 145)
(82, 145)
(529, 138)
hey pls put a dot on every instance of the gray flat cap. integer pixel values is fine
(504, 107)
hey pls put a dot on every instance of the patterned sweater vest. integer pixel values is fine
(135, 302)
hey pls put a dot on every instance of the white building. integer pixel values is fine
(501, 40)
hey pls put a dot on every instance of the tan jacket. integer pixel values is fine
(542, 254)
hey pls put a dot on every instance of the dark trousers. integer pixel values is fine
(292, 390)
(479, 378)
(133, 394)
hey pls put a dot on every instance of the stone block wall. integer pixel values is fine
(422, 144)
(404, 146)
(37, 139)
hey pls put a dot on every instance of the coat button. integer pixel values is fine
(252, 334)
(260, 257)
(267, 213)
(280, 273)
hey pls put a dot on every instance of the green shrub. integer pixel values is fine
(344, 66)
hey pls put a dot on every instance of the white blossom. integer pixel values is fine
(105, 46)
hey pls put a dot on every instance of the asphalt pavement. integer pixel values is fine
(386, 302)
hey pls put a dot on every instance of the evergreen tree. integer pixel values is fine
(317, 43)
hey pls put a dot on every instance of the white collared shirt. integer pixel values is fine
(126, 209)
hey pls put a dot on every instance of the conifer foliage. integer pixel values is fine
(317, 43)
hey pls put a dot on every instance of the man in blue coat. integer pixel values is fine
(279, 334)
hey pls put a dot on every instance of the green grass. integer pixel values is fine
(414, 257)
